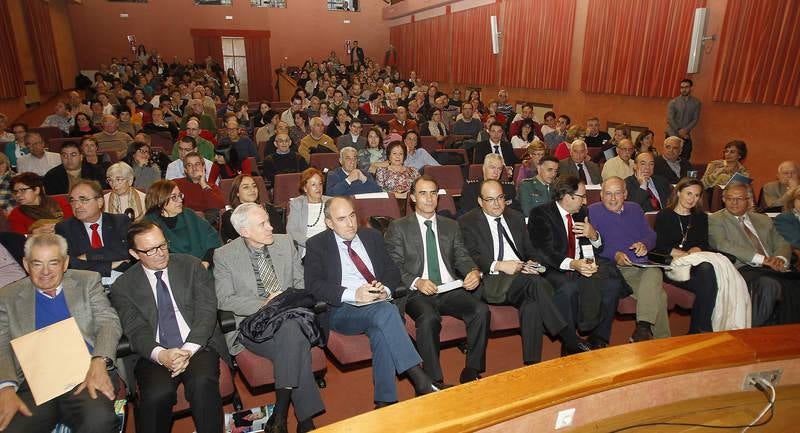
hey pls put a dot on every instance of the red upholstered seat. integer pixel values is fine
(452, 329)
(322, 161)
(257, 371)
(285, 188)
(504, 317)
(348, 349)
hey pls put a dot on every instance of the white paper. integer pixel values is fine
(587, 251)
(446, 287)
(371, 195)
(361, 304)
(593, 187)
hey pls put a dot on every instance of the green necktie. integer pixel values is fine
(431, 256)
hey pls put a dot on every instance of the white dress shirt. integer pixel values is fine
(508, 249)
(446, 277)
(567, 260)
(183, 327)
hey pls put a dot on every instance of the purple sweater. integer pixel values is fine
(621, 230)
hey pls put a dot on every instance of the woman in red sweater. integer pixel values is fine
(33, 205)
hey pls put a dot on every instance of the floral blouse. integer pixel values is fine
(396, 181)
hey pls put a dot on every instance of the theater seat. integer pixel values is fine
(504, 318)
(452, 329)
(349, 349)
(285, 188)
(226, 388)
(449, 177)
(258, 371)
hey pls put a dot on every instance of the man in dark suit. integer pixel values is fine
(354, 275)
(669, 164)
(587, 287)
(52, 294)
(249, 272)
(495, 237)
(648, 190)
(95, 239)
(57, 179)
(495, 144)
(577, 165)
(493, 168)
(430, 252)
(168, 309)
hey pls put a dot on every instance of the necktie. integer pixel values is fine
(581, 174)
(96, 241)
(431, 254)
(654, 203)
(169, 335)
(497, 149)
(570, 238)
(500, 233)
(752, 236)
(268, 280)
(360, 265)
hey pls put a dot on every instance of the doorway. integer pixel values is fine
(234, 57)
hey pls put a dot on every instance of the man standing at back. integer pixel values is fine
(683, 112)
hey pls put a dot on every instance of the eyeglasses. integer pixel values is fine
(142, 150)
(581, 196)
(81, 200)
(115, 179)
(176, 197)
(21, 190)
(152, 251)
(499, 199)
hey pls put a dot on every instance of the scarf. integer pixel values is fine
(48, 209)
(134, 202)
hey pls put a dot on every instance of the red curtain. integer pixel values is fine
(11, 82)
(759, 53)
(43, 47)
(432, 47)
(400, 37)
(638, 48)
(207, 43)
(537, 43)
(259, 68)
(473, 61)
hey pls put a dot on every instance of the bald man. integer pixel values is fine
(788, 176)
(316, 141)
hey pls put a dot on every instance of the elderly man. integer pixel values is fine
(185, 146)
(205, 147)
(627, 237)
(354, 139)
(577, 165)
(198, 195)
(401, 123)
(194, 108)
(111, 139)
(95, 239)
(59, 179)
(762, 257)
(39, 160)
(683, 112)
(669, 164)
(77, 104)
(650, 191)
(430, 253)
(621, 165)
(316, 141)
(788, 177)
(50, 295)
(284, 159)
(355, 276)
(495, 144)
(348, 179)
(495, 237)
(243, 145)
(253, 270)
(60, 119)
(536, 191)
(594, 136)
(493, 169)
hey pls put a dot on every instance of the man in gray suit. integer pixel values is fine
(762, 257)
(249, 272)
(49, 295)
(430, 252)
(354, 139)
(577, 165)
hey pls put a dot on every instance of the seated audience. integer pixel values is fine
(340, 124)
(574, 132)
(788, 222)
(669, 164)
(194, 108)
(300, 129)
(59, 179)
(622, 165)
(243, 145)
(244, 189)
(305, 211)
(228, 164)
(186, 232)
(38, 160)
(559, 133)
(549, 124)
(60, 118)
(401, 123)
(160, 126)
(521, 118)
(348, 179)
(33, 205)
(772, 193)
(644, 143)
(525, 136)
(650, 191)
(12, 248)
(315, 141)
(530, 161)
(111, 139)
(16, 148)
(130, 122)
(53, 293)
(143, 162)
(124, 198)
(594, 136)
(204, 147)
(577, 165)
(184, 147)
(720, 171)
(536, 191)
(492, 169)
(263, 116)
(199, 195)
(99, 162)
(467, 124)
(283, 160)
(495, 144)
(396, 177)
(373, 154)
(434, 127)
(353, 139)
(416, 157)
(82, 126)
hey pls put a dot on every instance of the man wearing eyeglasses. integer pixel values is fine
(493, 169)
(201, 145)
(198, 194)
(95, 239)
(168, 309)
(495, 237)
(60, 178)
(185, 146)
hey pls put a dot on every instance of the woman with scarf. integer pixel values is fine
(34, 205)
(123, 197)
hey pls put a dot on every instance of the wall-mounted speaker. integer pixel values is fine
(495, 35)
(696, 47)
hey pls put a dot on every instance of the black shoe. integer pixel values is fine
(380, 404)
(440, 385)
(276, 424)
(580, 346)
(597, 342)
(642, 332)
(468, 375)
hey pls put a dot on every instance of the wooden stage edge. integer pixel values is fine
(611, 388)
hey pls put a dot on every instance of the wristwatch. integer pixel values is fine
(109, 362)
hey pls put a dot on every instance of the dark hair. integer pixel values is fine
(158, 195)
(496, 123)
(641, 137)
(563, 186)
(409, 132)
(189, 139)
(228, 152)
(233, 196)
(394, 144)
(426, 178)
(550, 158)
(550, 114)
(740, 146)
(528, 123)
(684, 183)
(31, 180)
(20, 124)
(686, 80)
(302, 114)
(71, 143)
(137, 228)
(93, 184)
(565, 117)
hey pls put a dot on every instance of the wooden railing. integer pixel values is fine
(607, 384)
(286, 87)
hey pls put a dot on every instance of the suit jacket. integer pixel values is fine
(725, 234)
(772, 192)
(549, 236)
(193, 292)
(56, 181)
(567, 167)
(788, 226)
(639, 196)
(406, 247)
(87, 303)
(298, 218)
(323, 270)
(235, 279)
(472, 189)
(483, 148)
(336, 184)
(478, 241)
(347, 140)
(663, 169)
(115, 245)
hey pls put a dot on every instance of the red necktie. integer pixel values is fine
(653, 200)
(96, 242)
(570, 238)
(362, 268)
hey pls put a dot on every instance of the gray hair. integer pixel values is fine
(46, 240)
(674, 138)
(571, 145)
(491, 156)
(240, 214)
(346, 149)
(120, 168)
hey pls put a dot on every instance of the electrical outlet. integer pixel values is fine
(564, 418)
(771, 376)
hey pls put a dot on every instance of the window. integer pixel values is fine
(343, 5)
(268, 3)
(234, 57)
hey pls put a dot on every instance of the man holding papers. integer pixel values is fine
(430, 252)
(347, 266)
(49, 295)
